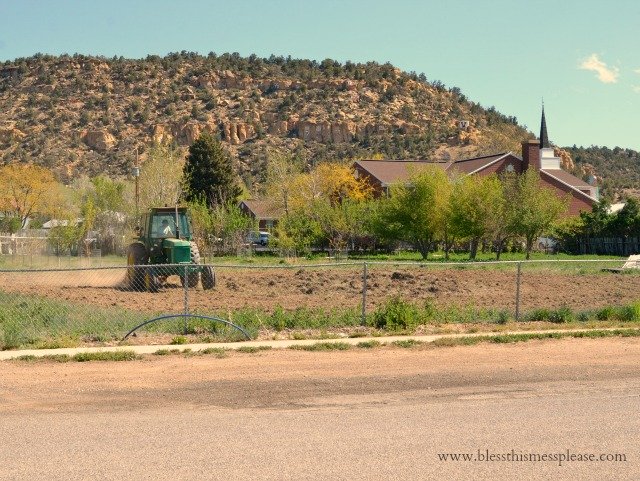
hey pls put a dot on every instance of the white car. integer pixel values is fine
(260, 238)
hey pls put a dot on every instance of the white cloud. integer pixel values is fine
(607, 75)
(637, 70)
(636, 88)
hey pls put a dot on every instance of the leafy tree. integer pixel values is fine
(26, 190)
(502, 227)
(476, 208)
(596, 223)
(282, 170)
(161, 177)
(208, 173)
(412, 213)
(330, 181)
(536, 209)
(626, 223)
(298, 231)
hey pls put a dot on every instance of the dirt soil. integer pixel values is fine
(337, 288)
(298, 379)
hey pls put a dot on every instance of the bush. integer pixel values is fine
(562, 315)
(396, 314)
(606, 313)
(538, 315)
(630, 313)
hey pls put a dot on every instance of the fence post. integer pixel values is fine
(518, 291)
(186, 297)
(364, 294)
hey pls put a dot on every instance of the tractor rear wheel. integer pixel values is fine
(136, 257)
(208, 278)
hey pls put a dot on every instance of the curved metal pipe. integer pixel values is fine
(172, 316)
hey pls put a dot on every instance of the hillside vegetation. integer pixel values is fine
(79, 114)
(88, 115)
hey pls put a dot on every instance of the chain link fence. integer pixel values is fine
(205, 303)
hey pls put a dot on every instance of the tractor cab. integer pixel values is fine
(160, 223)
(166, 236)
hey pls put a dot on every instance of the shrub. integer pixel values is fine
(396, 314)
(630, 313)
(503, 317)
(559, 316)
(538, 315)
(606, 313)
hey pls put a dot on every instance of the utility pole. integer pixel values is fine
(136, 175)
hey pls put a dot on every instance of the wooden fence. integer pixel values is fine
(615, 246)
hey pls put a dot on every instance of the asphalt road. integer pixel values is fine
(327, 419)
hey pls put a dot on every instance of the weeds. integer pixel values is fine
(368, 344)
(105, 356)
(216, 351)
(407, 343)
(253, 349)
(322, 346)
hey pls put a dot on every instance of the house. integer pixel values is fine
(264, 211)
(536, 154)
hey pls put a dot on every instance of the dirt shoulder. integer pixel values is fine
(295, 379)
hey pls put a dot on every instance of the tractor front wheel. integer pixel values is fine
(151, 280)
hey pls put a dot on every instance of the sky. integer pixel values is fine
(581, 56)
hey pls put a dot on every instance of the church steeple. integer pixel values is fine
(544, 137)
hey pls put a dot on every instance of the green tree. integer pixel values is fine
(413, 212)
(208, 173)
(476, 208)
(626, 223)
(537, 208)
(161, 177)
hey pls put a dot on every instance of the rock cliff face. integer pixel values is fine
(92, 113)
(100, 140)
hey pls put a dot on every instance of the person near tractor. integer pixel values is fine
(165, 229)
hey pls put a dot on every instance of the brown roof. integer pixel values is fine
(567, 178)
(263, 208)
(574, 183)
(467, 166)
(390, 171)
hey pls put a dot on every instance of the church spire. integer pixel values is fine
(544, 137)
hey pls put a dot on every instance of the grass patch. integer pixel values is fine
(368, 344)
(216, 351)
(322, 346)
(56, 357)
(253, 349)
(513, 338)
(178, 340)
(407, 343)
(106, 356)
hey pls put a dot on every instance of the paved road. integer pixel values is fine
(326, 418)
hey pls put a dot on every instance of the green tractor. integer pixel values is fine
(163, 247)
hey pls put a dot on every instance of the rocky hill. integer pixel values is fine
(87, 115)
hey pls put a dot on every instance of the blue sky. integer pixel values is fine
(582, 56)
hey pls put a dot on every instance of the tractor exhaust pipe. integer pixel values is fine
(177, 224)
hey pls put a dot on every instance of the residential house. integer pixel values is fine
(264, 211)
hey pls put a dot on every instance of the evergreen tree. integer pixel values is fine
(208, 173)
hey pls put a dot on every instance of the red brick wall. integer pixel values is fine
(577, 203)
(378, 190)
(501, 166)
(531, 154)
